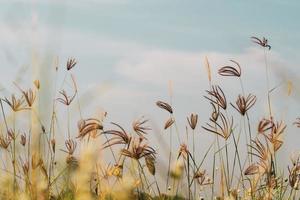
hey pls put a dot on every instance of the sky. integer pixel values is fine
(129, 51)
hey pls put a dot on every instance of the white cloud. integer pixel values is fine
(186, 70)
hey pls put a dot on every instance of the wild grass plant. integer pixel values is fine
(34, 165)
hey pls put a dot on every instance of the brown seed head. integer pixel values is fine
(243, 104)
(71, 63)
(29, 97)
(265, 125)
(89, 127)
(202, 177)
(192, 120)
(164, 106)
(150, 163)
(223, 128)
(25, 168)
(65, 99)
(11, 133)
(231, 71)
(139, 127)
(118, 136)
(37, 84)
(262, 42)
(259, 150)
(138, 150)
(294, 174)
(4, 141)
(215, 112)
(16, 104)
(71, 146)
(169, 123)
(297, 122)
(217, 96)
(251, 170)
(275, 135)
(23, 139)
(183, 151)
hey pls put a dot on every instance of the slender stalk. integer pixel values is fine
(170, 158)
(268, 82)
(195, 186)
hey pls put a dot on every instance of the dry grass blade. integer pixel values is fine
(217, 96)
(231, 71)
(165, 106)
(223, 129)
(263, 42)
(139, 128)
(71, 63)
(89, 127)
(192, 120)
(169, 123)
(244, 104)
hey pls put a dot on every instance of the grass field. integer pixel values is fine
(38, 161)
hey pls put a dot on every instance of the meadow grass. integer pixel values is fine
(35, 165)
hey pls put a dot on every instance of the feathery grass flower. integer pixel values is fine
(89, 127)
(192, 120)
(231, 71)
(169, 123)
(16, 104)
(243, 104)
(118, 136)
(217, 96)
(262, 42)
(71, 63)
(139, 128)
(223, 128)
(165, 106)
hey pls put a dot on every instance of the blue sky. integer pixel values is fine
(129, 50)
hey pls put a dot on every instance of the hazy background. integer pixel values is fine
(128, 51)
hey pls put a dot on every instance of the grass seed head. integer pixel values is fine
(231, 71)
(165, 106)
(192, 120)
